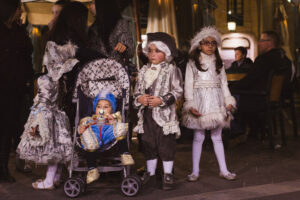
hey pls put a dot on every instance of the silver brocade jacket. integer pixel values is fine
(167, 86)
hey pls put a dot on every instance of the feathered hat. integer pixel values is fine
(208, 31)
(164, 42)
(105, 95)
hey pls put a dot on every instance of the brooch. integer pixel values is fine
(153, 68)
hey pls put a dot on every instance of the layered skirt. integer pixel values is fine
(52, 143)
(210, 104)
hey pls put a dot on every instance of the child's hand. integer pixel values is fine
(229, 107)
(110, 119)
(120, 47)
(82, 128)
(195, 112)
(154, 101)
(144, 99)
(33, 131)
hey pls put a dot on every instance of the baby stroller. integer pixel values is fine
(95, 76)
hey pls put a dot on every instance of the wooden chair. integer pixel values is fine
(289, 103)
(273, 102)
(235, 77)
(276, 108)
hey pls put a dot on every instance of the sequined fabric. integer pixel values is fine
(52, 143)
(208, 93)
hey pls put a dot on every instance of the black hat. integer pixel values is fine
(166, 39)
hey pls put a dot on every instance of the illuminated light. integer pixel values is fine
(289, 1)
(195, 6)
(144, 40)
(229, 12)
(36, 32)
(159, 2)
(231, 26)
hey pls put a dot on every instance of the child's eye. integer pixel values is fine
(157, 51)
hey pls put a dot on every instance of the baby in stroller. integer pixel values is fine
(102, 88)
(104, 127)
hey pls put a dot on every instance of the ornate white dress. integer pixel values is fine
(52, 143)
(208, 93)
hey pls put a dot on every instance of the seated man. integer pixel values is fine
(102, 128)
(242, 64)
(271, 59)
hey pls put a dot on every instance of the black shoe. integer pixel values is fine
(168, 182)
(5, 175)
(148, 181)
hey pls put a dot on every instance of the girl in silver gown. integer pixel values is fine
(47, 135)
(208, 101)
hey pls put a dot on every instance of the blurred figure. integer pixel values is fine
(110, 34)
(16, 75)
(242, 64)
(56, 8)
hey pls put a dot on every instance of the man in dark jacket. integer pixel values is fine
(272, 59)
(16, 71)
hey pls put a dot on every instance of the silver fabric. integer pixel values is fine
(169, 81)
(52, 143)
(208, 93)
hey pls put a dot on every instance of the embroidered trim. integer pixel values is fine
(207, 84)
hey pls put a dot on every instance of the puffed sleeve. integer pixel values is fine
(176, 89)
(229, 99)
(189, 87)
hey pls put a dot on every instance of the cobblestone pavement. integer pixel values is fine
(262, 174)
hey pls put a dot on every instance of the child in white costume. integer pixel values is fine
(158, 87)
(208, 101)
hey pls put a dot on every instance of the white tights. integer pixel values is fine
(216, 137)
(53, 174)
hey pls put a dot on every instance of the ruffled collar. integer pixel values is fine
(204, 58)
(151, 74)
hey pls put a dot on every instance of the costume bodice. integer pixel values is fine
(208, 63)
(47, 94)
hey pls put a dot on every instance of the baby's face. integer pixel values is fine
(155, 55)
(105, 106)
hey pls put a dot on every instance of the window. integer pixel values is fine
(235, 11)
(231, 43)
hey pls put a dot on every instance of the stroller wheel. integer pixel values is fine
(73, 187)
(82, 183)
(130, 186)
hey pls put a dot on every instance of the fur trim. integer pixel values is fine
(162, 47)
(204, 33)
(230, 100)
(208, 122)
